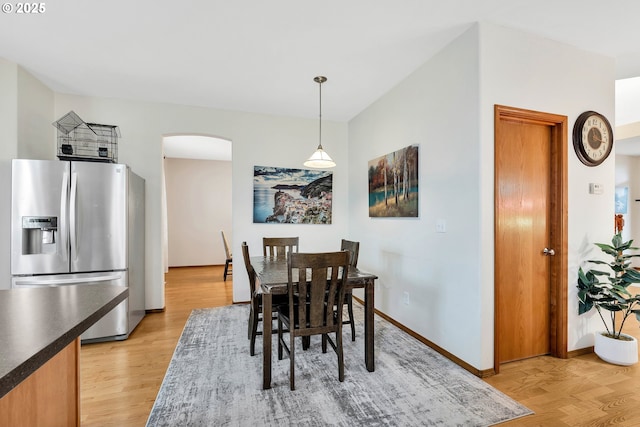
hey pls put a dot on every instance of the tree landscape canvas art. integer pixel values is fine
(393, 184)
(291, 196)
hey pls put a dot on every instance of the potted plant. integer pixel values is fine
(607, 292)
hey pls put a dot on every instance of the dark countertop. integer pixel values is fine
(36, 323)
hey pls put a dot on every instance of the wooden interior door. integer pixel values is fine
(523, 233)
(530, 235)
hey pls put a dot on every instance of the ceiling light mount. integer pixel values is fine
(320, 159)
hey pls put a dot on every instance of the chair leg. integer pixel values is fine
(340, 356)
(350, 310)
(279, 338)
(292, 379)
(226, 269)
(254, 330)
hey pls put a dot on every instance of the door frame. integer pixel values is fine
(558, 226)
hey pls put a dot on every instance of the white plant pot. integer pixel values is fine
(618, 352)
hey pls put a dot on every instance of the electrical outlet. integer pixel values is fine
(405, 298)
(441, 226)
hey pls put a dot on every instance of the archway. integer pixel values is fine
(196, 190)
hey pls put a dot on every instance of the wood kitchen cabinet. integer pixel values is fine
(48, 397)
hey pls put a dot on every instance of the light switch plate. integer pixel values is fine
(595, 188)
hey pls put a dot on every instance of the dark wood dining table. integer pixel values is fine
(273, 277)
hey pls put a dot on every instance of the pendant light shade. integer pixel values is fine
(320, 159)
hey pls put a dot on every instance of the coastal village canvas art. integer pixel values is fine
(291, 196)
(393, 184)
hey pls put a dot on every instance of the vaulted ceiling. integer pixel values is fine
(261, 56)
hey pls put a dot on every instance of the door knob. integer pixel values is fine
(548, 252)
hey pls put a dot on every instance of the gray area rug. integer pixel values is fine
(212, 381)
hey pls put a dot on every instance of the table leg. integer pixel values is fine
(368, 326)
(266, 340)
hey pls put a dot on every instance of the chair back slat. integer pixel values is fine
(279, 246)
(316, 297)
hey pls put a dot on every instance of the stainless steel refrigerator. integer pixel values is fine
(80, 222)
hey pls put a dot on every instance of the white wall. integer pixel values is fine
(436, 107)
(446, 106)
(257, 140)
(8, 109)
(35, 119)
(198, 207)
(8, 151)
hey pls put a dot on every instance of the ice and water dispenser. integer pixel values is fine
(39, 234)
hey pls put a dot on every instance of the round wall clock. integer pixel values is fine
(592, 138)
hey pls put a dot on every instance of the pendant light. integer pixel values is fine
(320, 159)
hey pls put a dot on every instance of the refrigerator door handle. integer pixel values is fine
(64, 212)
(68, 281)
(73, 216)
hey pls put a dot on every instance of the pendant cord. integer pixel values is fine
(320, 117)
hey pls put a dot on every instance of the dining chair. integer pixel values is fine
(316, 295)
(279, 246)
(227, 252)
(255, 310)
(354, 250)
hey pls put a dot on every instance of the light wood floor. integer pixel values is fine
(120, 380)
(581, 391)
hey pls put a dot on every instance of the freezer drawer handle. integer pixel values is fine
(71, 281)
